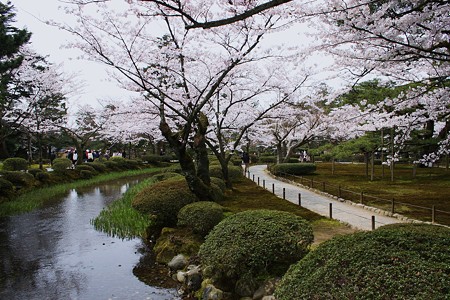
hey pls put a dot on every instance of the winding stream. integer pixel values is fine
(55, 253)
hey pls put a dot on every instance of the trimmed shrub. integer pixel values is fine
(85, 174)
(268, 159)
(393, 262)
(42, 177)
(235, 173)
(293, 168)
(34, 172)
(98, 166)
(121, 163)
(219, 182)
(164, 200)
(6, 189)
(15, 164)
(61, 164)
(85, 167)
(19, 179)
(200, 216)
(217, 191)
(112, 165)
(255, 243)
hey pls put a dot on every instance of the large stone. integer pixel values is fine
(178, 262)
(267, 289)
(212, 293)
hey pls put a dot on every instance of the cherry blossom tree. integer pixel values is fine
(406, 42)
(177, 71)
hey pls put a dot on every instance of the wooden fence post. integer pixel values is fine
(393, 206)
(339, 191)
(284, 193)
(331, 210)
(264, 183)
(273, 188)
(373, 222)
(299, 199)
(361, 197)
(433, 213)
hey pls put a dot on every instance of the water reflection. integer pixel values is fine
(55, 253)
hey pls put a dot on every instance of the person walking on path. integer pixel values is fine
(245, 161)
(354, 215)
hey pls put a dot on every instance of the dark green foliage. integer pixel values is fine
(393, 262)
(218, 193)
(167, 175)
(15, 164)
(254, 158)
(255, 243)
(19, 179)
(268, 159)
(112, 165)
(98, 166)
(42, 177)
(293, 168)
(219, 182)
(164, 200)
(235, 173)
(200, 216)
(6, 189)
(236, 161)
(60, 165)
(85, 174)
(85, 167)
(34, 172)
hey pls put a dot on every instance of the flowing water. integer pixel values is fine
(55, 253)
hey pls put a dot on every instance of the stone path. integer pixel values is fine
(355, 215)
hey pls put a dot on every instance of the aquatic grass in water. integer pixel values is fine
(38, 197)
(120, 219)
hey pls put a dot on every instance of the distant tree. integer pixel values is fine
(11, 41)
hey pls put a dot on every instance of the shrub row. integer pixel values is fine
(293, 168)
(14, 182)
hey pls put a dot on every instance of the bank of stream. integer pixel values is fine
(55, 253)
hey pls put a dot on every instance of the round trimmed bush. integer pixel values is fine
(19, 179)
(61, 164)
(34, 172)
(200, 216)
(219, 182)
(15, 164)
(393, 262)
(255, 243)
(164, 200)
(268, 159)
(293, 168)
(6, 188)
(98, 166)
(112, 165)
(85, 167)
(235, 173)
(42, 176)
(86, 174)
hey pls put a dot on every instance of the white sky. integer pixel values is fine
(48, 40)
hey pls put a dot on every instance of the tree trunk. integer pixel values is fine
(366, 162)
(332, 166)
(372, 166)
(200, 188)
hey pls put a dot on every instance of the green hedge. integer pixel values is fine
(235, 173)
(200, 216)
(6, 189)
(19, 179)
(393, 262)
(268, 159)
(86, 167)
(163, 200)
(293, 168)
(219, 182)
(255, 243)
(15, 164)
(61, 164)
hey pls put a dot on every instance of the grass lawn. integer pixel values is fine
(414, 196)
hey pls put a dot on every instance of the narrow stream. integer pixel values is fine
(55, 253)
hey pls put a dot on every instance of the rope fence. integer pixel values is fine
(430, 214)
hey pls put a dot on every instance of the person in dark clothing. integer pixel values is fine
(246, 161)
